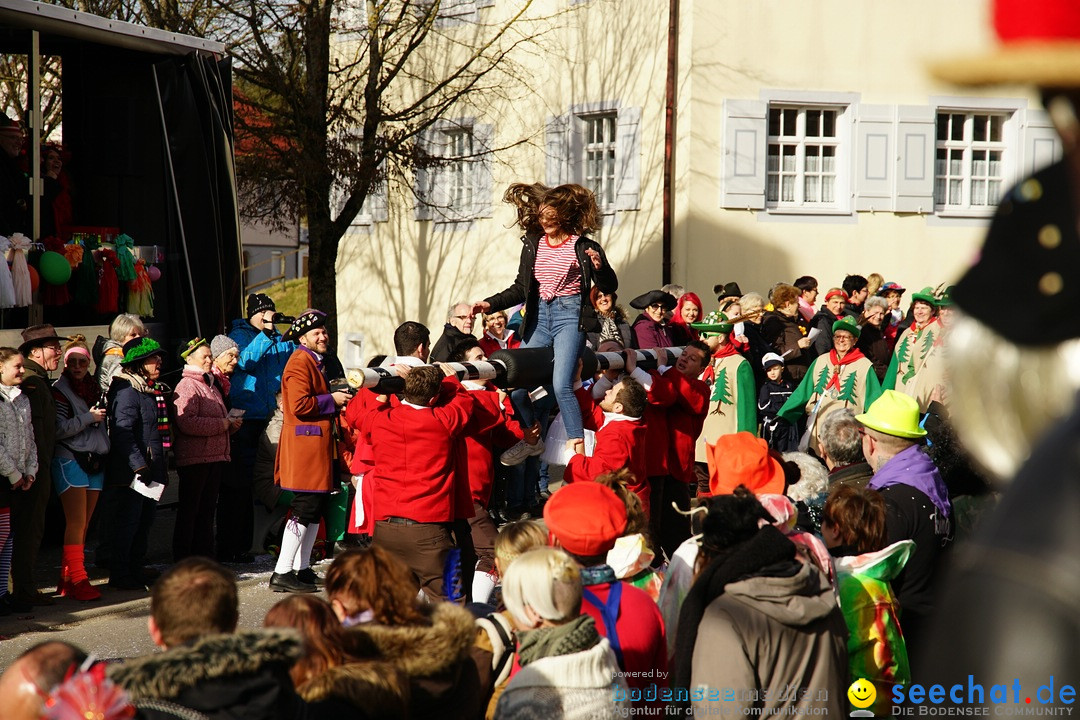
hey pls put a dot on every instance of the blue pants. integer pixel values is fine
(557, 328)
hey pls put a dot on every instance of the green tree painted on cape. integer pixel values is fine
(847, 390)
(822, 380)
(721, 391)
(927, 344)
(903, 359)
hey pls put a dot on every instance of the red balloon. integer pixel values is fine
(35, 279)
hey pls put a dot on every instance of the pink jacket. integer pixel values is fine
(201, 436)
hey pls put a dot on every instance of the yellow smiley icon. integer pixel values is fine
(862, 693)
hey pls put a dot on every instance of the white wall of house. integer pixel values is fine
(856, 71)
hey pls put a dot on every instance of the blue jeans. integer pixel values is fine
(557, 328)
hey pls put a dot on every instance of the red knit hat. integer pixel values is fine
(586, 518)
(743, 459)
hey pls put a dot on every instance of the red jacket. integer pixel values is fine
(685, 418)
(619, 444)
(415, 458)
(489, 344)
(489, 429)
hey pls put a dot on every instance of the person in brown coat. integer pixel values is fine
(305, 455)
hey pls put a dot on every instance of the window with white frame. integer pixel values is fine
(801, 156)
(458, 173)
(598, 145)
(969, 167)
(455, 184)
(599, 156)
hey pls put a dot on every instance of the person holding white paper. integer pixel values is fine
(138, 414)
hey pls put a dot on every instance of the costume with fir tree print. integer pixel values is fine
(838, 382)
(915, 353)
(733, 404)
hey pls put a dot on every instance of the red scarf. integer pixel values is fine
(916, 329)
(723, 352)
(837, 362)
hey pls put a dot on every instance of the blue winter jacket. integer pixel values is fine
(257, 377)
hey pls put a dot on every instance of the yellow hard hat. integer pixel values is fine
(894, 413)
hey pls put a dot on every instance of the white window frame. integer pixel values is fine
(967, 147)
(459, 188)
(1012, 143)
(374, 209)
(599, 156)
(567, 148)
(803, 147)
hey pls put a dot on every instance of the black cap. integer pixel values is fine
(1033, 251)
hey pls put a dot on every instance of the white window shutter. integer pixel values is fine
(1040, 144)
(875, 140)
(628, 159)
(745, 141)
(424, 177)
(483, 142)
(438, 194)
(915, 141)
(557, 149)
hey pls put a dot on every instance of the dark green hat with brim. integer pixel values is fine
(945, 300)
(848, 325)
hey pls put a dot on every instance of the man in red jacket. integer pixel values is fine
(620, 435)
(413, 480)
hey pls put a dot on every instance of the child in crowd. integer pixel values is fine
(18, 461)
(853, 526)
(781, 435)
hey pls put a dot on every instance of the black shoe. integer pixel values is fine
(288, 582)
(127, 583)
(309, 576)
(14, 605)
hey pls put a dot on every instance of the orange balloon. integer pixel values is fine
(35, 279)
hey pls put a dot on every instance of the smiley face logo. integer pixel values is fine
(862, 693)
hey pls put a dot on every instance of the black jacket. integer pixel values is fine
(242, 675)
(448, 343)
(823, 320)
(526, 289)
(136, 441)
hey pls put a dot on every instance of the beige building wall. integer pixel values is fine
(394, 268)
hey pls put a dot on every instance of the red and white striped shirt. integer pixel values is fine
(557, 269)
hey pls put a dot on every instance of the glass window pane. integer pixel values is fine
(773, 191)
(813, 123)
(774, 121)
(978, 163)
(996, 121)
(828, 162)
(942, 127)
(773, 163)
(978, 192)
(791, 119)
(956, 162)
(610, 128)
(994, 166)
(939, 191)
(811, 188)
(956, 127)
(829, 129)
(827, 184)
(979, 128)
(788, 193)
(993, 193)
(812, 163)
(955, 192)
(789, 158)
